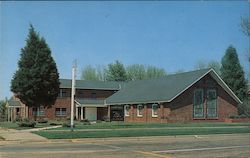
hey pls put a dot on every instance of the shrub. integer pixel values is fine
(26, 120)
(85, 122)
(106, 119)
(43, 120)
(18, 119)
(99, 121)
(67, 125)
(55, 123)
(27, 124)
(238, 116)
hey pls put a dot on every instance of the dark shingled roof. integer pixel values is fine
(84, 84)
(163, 89)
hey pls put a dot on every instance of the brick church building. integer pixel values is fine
(199, 95)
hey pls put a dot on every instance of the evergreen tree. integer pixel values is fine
(215, 65)
(116, 72)
(36, 81)
(232, 73)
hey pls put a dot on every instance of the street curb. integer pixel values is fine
(112, 139)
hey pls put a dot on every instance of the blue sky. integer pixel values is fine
(170, 35)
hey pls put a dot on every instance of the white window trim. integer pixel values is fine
(153, 115)
(126, 113)
(138, 113)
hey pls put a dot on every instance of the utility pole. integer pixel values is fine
(73, 95)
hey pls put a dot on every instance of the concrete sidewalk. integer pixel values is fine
(19, 135)
(38, 129)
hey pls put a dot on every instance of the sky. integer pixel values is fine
(167, 34)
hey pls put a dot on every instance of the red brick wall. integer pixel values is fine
(181, 108)
(146, 114)
(50, 111)
(65, 102)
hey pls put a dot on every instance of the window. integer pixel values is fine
(64, 93)
(93, 95)
(126, 110)
(139, 110)
(211, 103)
(80, 93)
(60, 111)
(38, 111)
(198, 104)
(154, 110)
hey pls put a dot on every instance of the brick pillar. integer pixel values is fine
(145, 114)
(132, 113)
(161, 114)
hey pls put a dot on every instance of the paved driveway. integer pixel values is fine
(207, 146)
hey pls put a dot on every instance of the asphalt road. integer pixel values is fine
(207, 146)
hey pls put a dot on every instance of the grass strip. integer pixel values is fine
(116, 125)
(138, 133)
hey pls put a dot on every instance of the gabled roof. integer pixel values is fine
(14, 103)
(84, 84)
(163, 89)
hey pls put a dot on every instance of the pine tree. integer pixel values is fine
(36, 81)
(232, 73)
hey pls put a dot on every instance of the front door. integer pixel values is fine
(91, 113)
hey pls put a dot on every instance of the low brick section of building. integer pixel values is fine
(181, 108)
(217, 101)
(195, 96)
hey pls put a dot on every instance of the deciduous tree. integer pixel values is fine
(136, 72)
(154, 72)
(116, 72)
(89, 73)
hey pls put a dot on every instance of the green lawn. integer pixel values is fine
(117, 125)
(138, 133)
(14, 125)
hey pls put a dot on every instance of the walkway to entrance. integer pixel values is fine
(20, 135)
